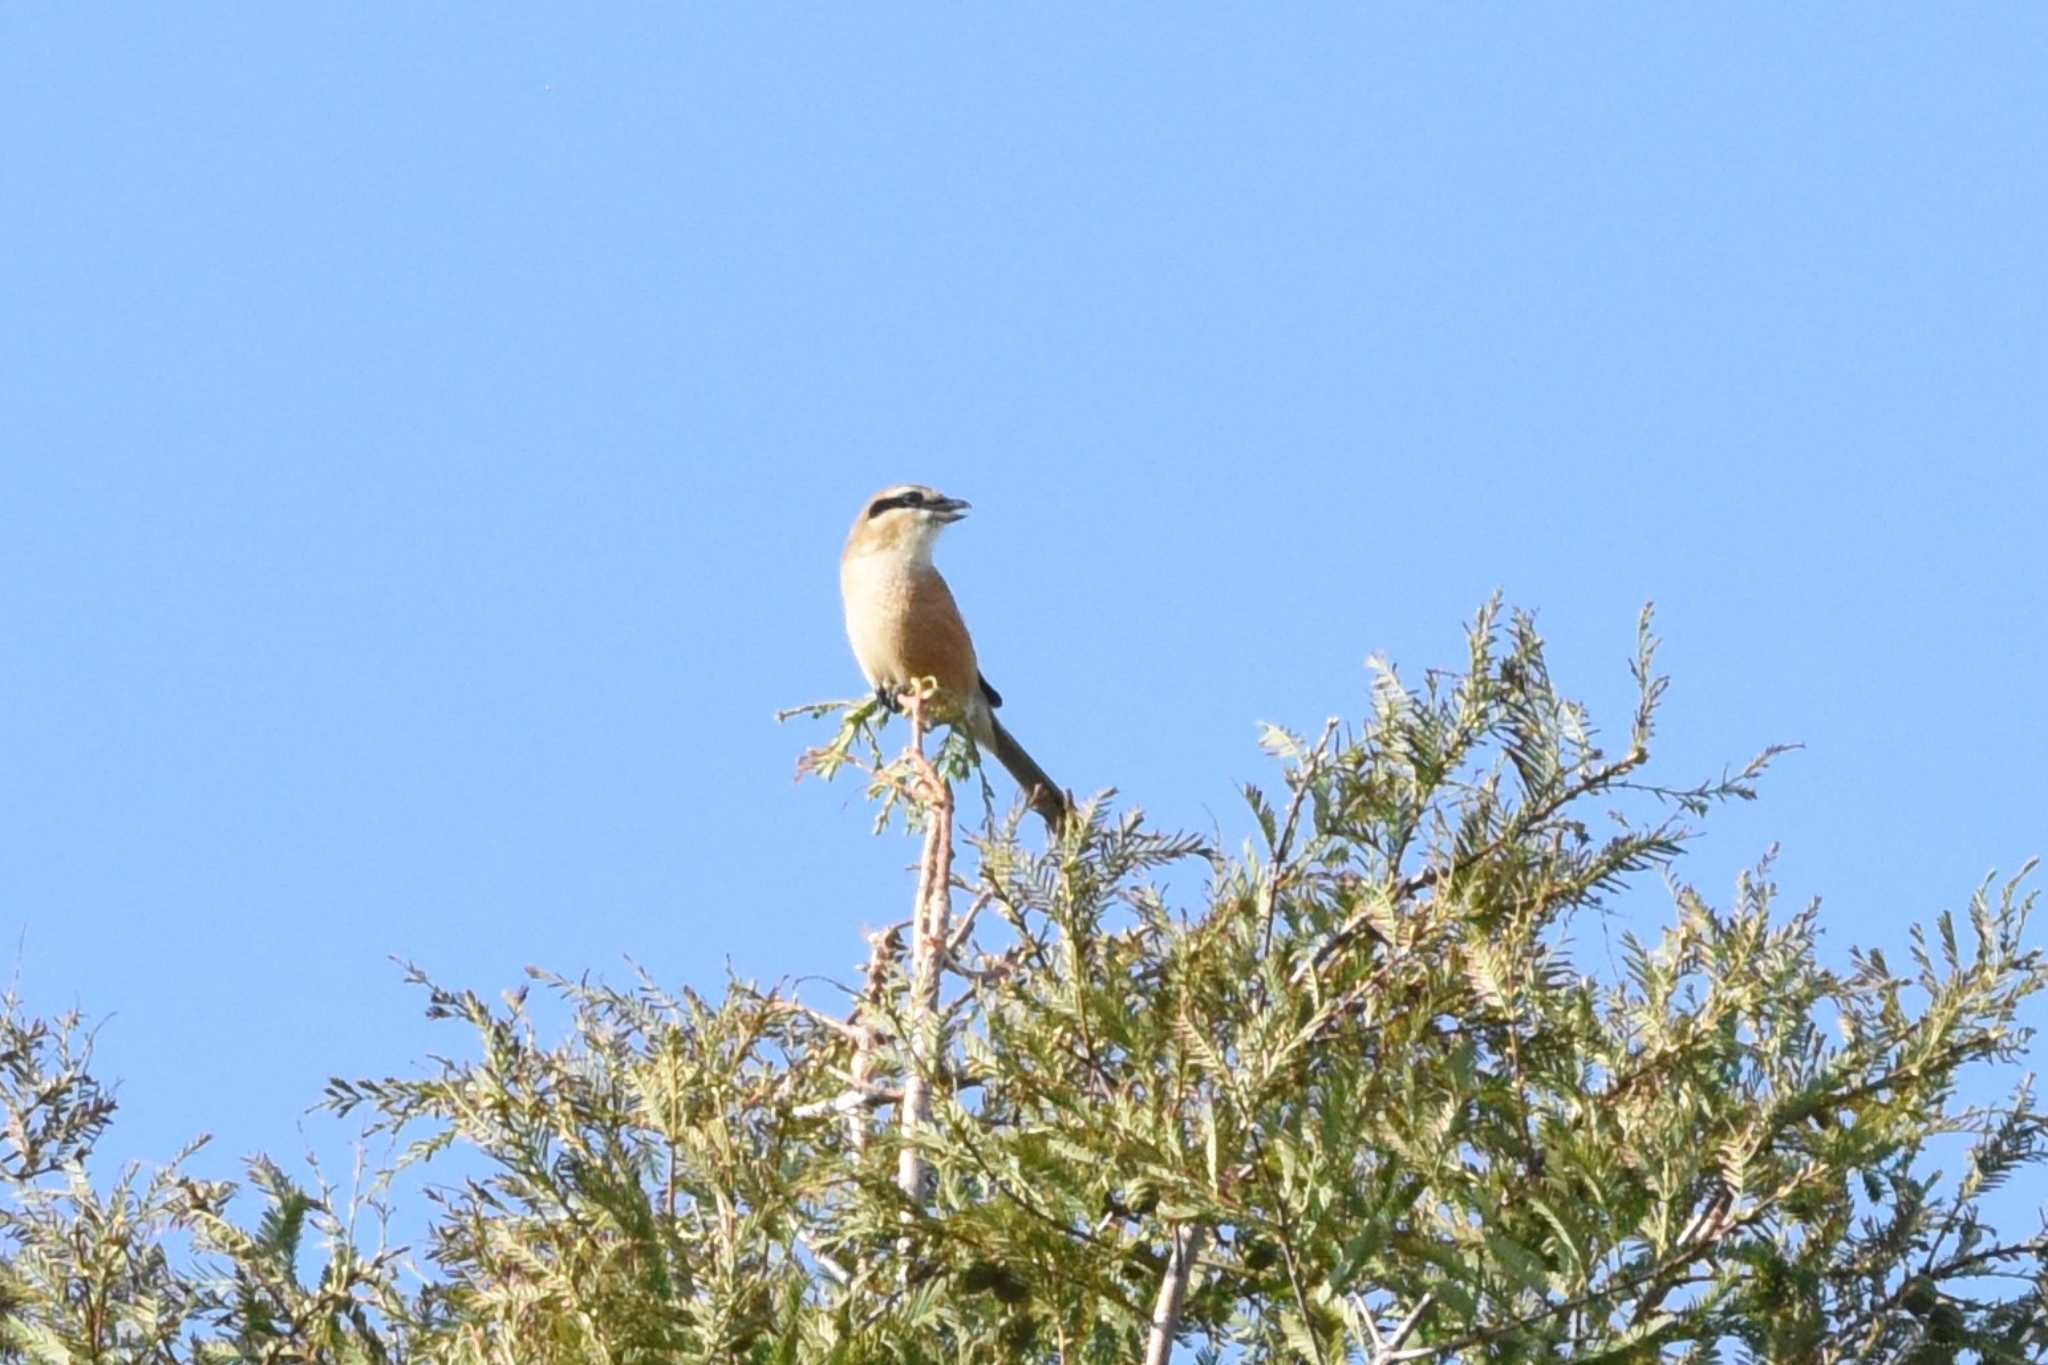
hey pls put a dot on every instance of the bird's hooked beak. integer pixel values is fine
(948, 510)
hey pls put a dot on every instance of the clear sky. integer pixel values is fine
(427, 434)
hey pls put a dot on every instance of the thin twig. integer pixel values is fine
(883, 948)
(853, 1100)
(1283, 848)
(1407, 1327)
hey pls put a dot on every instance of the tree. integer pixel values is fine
(1344, 1096)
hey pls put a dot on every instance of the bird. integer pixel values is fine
(904, 625)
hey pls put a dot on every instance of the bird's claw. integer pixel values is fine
(887, 697)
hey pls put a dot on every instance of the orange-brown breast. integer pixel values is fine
(931, 639)
(904, 625)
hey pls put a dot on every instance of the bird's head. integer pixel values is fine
(906, 519)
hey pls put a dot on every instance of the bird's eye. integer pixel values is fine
(913, 499)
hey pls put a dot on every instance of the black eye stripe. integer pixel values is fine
(881, 505)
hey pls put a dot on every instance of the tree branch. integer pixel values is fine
(1173, 1292)
(930, 943)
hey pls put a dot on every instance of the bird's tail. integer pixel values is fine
(1041, 791)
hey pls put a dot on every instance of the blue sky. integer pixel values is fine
(426, 437)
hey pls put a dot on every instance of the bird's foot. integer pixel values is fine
(887, 697)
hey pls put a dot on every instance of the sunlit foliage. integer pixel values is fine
(1356, 1088)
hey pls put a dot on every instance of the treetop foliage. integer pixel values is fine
(1349, 1097)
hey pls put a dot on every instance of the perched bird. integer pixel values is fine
(903, 623)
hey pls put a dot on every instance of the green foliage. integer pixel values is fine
(88, 1275)
(1358, 1080)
